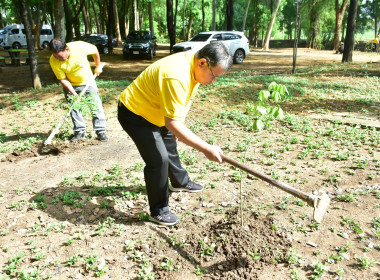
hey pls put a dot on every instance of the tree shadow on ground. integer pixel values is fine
(86, 205)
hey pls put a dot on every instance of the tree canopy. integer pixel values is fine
(70, 18)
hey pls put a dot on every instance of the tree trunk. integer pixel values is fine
(76, 21)
(110, 23)
(314, 39)
(191, 18)
(213, 24)
(31, 51)
(59, 15)
(86, 20)
(245, 15)
(297, 31)
(270, 25)
(183, 20)
(96, 17)
(36, 27)
(117, 24)
(150, 12)
(125, 8)
(136, 15)
(203, 15)
(230, 14)
(72, 20)
(141, 12)
(350, 33)
(170, 23)
(339, 13)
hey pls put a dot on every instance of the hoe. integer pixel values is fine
(319, 203)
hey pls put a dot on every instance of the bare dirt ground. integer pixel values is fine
(210, 242)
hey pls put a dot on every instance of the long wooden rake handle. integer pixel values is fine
(310, 199)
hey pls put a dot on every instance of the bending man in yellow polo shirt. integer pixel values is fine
(72, 69)
(152, 110)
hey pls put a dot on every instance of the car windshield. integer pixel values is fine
(6, 29)
(200, 38)
(134, 35)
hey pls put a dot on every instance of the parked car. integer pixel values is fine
(139, 43)
(13, 36)
(99, 40)
(234, 40)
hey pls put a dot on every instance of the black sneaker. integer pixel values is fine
(166, 219)
(190, 187)
(78, 135)
(102, 136)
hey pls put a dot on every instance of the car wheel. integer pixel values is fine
(106, 50)
(126, 56)
(16, 45)
(46, 45)
(238, 56)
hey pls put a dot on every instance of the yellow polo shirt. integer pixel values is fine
(165, 89)
(76, 67)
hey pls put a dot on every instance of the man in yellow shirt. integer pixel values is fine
(71, 67)
(152, 110)
(376, 44)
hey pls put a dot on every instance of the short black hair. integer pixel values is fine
(57, 45)
(216, 53)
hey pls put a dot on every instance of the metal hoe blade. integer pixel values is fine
(319, 203)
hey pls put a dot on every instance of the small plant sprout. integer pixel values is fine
(168, 264)
(318, 270)
(200, 271)
(254, 255)
(365, 262)
(207, 250)
(294, 275)
(292, 257)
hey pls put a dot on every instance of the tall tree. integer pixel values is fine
(59, 15)
(315, 15)
(110, 24)
(271, 23)
(136, 15)
(297, 31)
(230, 14)
(339, 13)
(213, 24)
(36, 26)
(86, 18)
(98, 28)
(171, 21)
(72, 20)
(245, 15)
(350, 33)
(150, 12)
(125, 16)
(203, 15)
(117, 24)
(183, 20)
(29, 39)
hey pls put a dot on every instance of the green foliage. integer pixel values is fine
(263, 111)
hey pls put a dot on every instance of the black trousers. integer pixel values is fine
(158, 148)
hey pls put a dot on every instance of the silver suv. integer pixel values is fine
(234, 40)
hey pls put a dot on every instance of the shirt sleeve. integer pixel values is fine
(56, 69)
